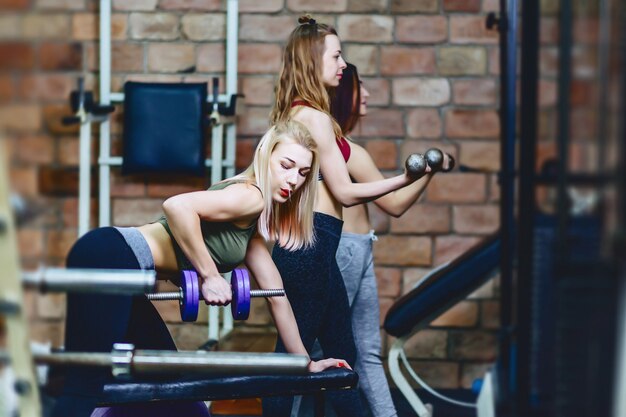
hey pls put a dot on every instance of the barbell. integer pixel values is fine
(124, 361)
(188, 295)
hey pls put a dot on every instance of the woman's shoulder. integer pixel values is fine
(312, 118)
(308, 111)
(233, 181)
(244, 191)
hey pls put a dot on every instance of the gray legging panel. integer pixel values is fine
(356, 263)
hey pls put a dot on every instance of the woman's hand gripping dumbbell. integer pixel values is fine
(188, 295)
(417, 164)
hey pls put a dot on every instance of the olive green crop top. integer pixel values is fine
(226, 242)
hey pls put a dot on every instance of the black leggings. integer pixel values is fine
(96, 321)
(319, 301)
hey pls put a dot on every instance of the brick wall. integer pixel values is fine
(431, 68)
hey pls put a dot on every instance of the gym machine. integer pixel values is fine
(561, 342)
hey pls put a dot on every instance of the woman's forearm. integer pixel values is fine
(351, 194)
(399, 201)
(286, 325)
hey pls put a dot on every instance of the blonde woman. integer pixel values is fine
(210, 231)
(312, 63)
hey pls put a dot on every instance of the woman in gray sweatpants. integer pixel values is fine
(354, 255)
(355, 260)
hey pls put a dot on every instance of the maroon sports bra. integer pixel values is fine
(342, 143)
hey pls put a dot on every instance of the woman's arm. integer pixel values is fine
(334, 168)
(363, 169)
(238, 202)
(260, 264)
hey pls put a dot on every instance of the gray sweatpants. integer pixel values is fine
(355, 260)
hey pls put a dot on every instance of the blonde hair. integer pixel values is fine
(289, 223)
(301, 71)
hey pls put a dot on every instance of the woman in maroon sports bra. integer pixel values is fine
(312, 63)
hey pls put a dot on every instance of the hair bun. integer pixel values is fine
(306, 19)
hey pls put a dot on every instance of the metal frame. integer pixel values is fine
(397, 355)
(125, 361)
(523, 404)
(508, 116)
(106, 161)
(619, 399)
(221, 158)
(401, 382)
(108, 281)
(520, 369)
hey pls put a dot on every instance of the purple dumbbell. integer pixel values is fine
(240, 305)
(240, 282)
(189, 295)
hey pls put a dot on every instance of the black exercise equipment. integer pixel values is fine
(164, 128)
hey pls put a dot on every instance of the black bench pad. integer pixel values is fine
(228, 387)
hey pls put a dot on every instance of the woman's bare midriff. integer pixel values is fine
(326, 203)
(356, 219)
(161, 247)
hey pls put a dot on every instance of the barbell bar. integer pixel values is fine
(125, 361)
(111, 281)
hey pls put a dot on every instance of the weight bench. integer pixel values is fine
(226, 387)
(433, 295)
(165, 383)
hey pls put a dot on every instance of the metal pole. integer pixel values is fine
(232, 46)
(74, 359)
(104, 199)
(619, 388)
(217, 153)
(619, 399)
(84, 187)
(145, 361)
(508, 109)
(110, 281)
(603, 81)
(125, 361)
(84, 177)
(526, 205)
(563, 128)
(220, 160)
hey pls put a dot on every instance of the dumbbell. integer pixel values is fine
(188, 295)
(434, 158)
(416, 165)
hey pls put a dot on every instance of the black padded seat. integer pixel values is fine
(443, 288)
(165, 128)
(228, 387)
